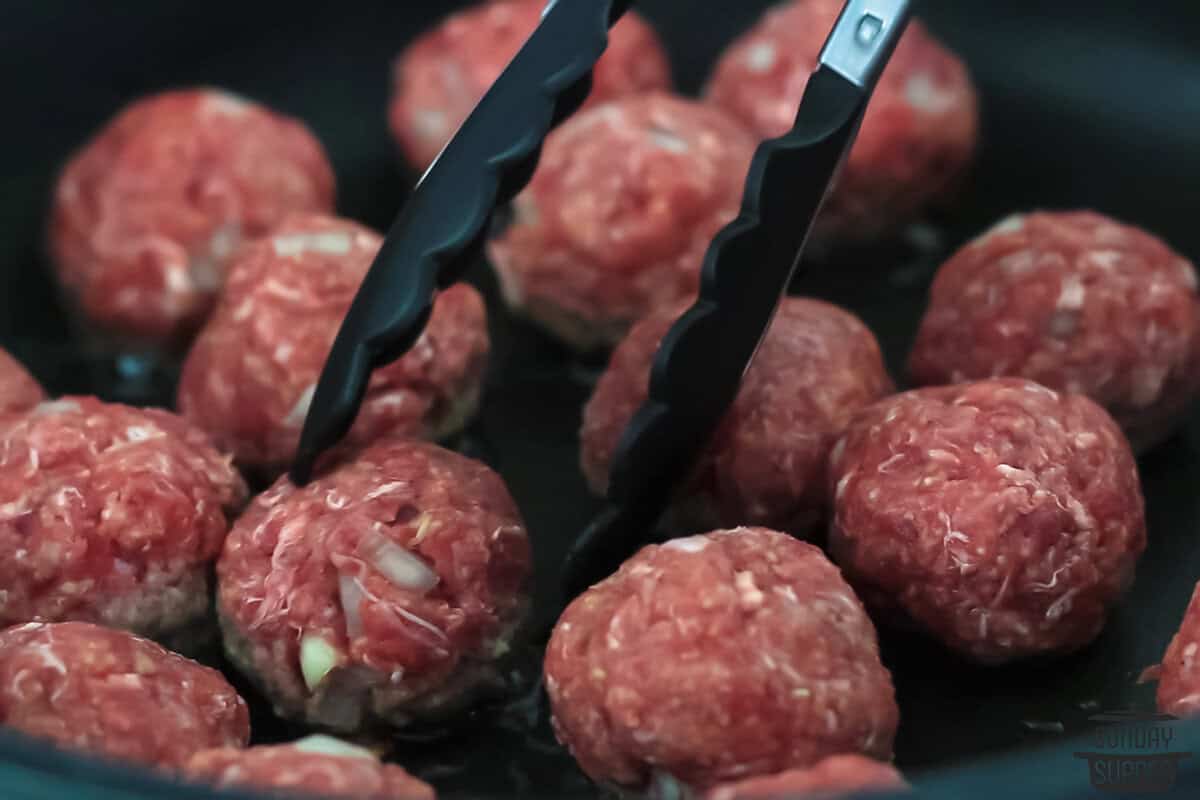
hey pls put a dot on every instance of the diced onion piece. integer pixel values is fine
(690, 544)
(400, 566)
(501, 647)
(666, 786)
(49, 407)
(317, 659)
(329, 746)
(333, 243)
(352, 596)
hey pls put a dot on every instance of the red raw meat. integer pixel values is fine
(1179, 674)
(766, 464)
(1001, 517)
(251, 374)
(111, 514)
(18, 390)
(619, 215)
(148, 212)
(717, 658)
(315, 765)
(440, 77)
(384, 590)
(919, 134)
(1077, 302)
(115, 694)
(834, 777)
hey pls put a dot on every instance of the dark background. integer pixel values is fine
(1086, 104)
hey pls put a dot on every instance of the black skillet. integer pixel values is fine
(1087, 103)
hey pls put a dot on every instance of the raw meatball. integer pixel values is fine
(715, 658)
(114, 694)
(766, 463)
(148, 212)
(18, 390)
(442, 75)
(1179, 674)
(1003, 518)
(316, 764)
(251, 375)
(383, 591)
(917, 139)
(113, 515)
(619, 215)
(1078, 303)
(834, 777)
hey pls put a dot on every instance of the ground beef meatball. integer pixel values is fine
(619, 215)
(766, 464)
(1179, 674)
(383, 591)
(113, 515)
(114, 694)
(252, 373)
(18, 390)
(442, 75)
(1003, 518)
(717, 658)
(1078, 303)
(317, 764)
(917, 139)
(147, 213)
(834, 777)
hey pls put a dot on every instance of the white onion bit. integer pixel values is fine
(57, 407)
(401, 567)
(317, 659)
(690, 544)
(352, 596)
(329, 746)
(333, 243)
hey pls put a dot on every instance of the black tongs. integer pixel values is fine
(441, 229)
(747, 270)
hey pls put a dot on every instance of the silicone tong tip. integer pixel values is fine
(702, 358)
(334, 406)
